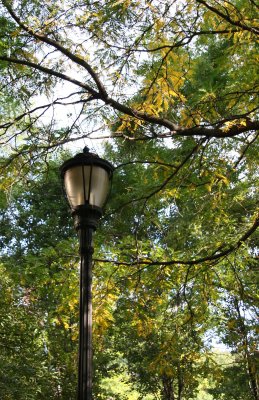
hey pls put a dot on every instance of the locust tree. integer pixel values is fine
(171, 86)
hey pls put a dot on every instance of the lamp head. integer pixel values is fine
(87, 179)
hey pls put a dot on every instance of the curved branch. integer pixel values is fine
(213, 257)
(245, 150)
(58, 46)
(164, 183)
(228, 18)
(51, 72)
(180, 43)
(58, 101)
(163, 164)
(175, 129)
(217, 132)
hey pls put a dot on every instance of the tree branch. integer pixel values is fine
(58, 101)
(228, 19)
(58, 46)
(174, 128)
(51, 72)
(214, 256)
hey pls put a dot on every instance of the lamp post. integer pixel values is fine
(86, 179)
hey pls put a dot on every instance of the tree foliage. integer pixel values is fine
(170, 88)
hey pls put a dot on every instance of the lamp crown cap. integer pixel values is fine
(86, 158)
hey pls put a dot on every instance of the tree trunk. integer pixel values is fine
(179, 382)
(168, 389)
(251, 370)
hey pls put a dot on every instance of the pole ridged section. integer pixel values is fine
(85, 372)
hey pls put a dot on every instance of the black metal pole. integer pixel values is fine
(86, 192)
(85, 320)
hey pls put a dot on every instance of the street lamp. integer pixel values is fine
(86, 179)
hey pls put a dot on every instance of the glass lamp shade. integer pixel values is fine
(87, 180)
(86, 184)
